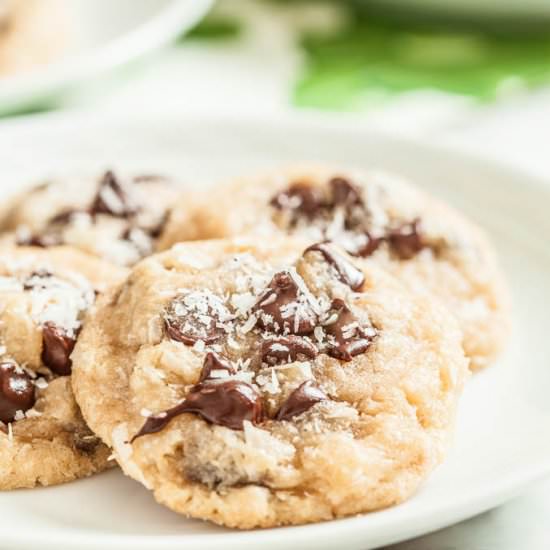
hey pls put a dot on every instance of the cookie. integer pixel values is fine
(255, 384)
(44, 295)
(114, 218)
(429, 246)
(32, 33)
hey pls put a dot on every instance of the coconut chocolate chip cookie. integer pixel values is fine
(256, 385)
(44, 295)
(426, 244)
(32, 33)
(114, 218)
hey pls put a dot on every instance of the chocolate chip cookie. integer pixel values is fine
(256, 382)
(116, 218)
(32, 33)
(426, 244)
(44, 295)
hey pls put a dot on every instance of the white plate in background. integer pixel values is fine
(104, 34)
(502, 442)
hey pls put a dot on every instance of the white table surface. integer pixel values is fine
(253, 75)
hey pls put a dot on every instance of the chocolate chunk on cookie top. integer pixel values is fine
(254, 383)
(112, 217)
(225, 404)
(57, 348)
(300, 199)
(113, 198)
(287, 349)
(16, 392)
(285, 308)
(196, 316)
(346, 271)
(45, 295)
(347, 337)
(300, 400)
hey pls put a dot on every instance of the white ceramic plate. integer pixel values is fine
(104, 35)
(502, 441)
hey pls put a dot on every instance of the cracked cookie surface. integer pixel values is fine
(257, 383)
(114, 217)
(429, 246)
(44, 296)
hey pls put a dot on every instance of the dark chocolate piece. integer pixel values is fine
(371, 245)
(16, 392)
(226, 404)
(300, 198)
(45, 240)
(212, 363)
(300, 400)
(112, 198)
(283, 308)
(31, 281)
(347, 272)
(193, 325)
(85, 442)
(57, 347)
(286, 349)
(66, 216)
(406, 241)
(350, 339)
(156, 231)
(344, 193)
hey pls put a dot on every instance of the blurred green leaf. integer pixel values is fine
(215, 27)
(371, 60)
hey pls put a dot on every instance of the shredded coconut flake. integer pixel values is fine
(199, 346)
(249, 324)
(41, 383)
(300, 283)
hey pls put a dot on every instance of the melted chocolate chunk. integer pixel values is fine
(85, 442)
(371, 245)
(286, 349)
(66, 217)
(347, 272)
(139, 238)
(36, 279)
(350, 339)
(344, 193)
(45, 240)
(16, 392)
(214, 363)
(283, 308)
(156, 231)
(300, 400)
(406, 241)
(112, 199)
(189, 325)
(226, 404)
(57, 347)
(300, 198)
(51, 235)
